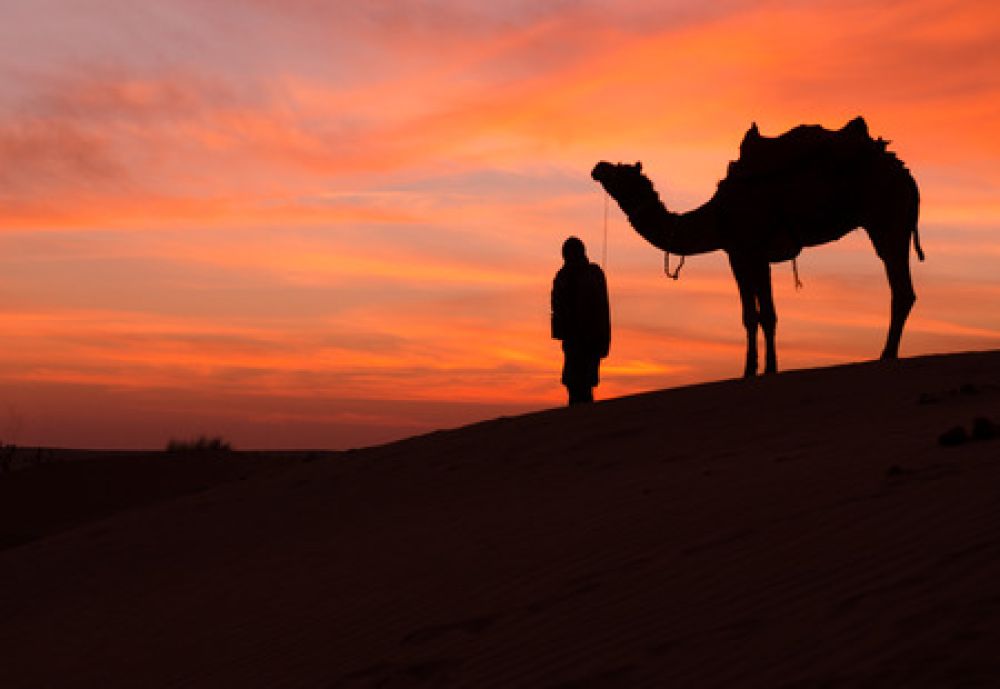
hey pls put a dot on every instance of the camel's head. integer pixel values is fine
(621, 180)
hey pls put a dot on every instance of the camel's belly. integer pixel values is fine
(779, 225)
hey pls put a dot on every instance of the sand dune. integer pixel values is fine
(801, 530)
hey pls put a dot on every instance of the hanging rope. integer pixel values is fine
(604, 251)
(795, 274)
(666, 266)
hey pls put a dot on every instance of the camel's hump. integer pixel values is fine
(805, 145)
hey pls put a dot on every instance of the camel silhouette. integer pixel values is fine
(806, 187)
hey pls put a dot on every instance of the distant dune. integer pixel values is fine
(803, 530)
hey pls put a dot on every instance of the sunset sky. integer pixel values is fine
(299, 223)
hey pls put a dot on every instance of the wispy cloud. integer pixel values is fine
(339, 214)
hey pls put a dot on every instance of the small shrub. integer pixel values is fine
(200, 444)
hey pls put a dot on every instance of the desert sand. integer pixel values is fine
(801, 530)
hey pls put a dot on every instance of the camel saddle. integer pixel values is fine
(807, 145)
(761, 187)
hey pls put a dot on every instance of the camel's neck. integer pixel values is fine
(694, 232)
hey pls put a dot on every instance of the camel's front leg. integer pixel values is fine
(767, 315)
(750, 318)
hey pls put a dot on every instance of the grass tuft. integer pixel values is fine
(200, 444)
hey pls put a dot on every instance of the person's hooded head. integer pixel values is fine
(573, 251)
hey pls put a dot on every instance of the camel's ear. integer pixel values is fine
(638, 166)
(753, 131)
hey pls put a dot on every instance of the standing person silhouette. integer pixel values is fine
(581, 318)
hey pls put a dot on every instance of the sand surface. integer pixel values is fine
(803, 530)
(50, 490)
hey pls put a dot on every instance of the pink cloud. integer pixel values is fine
(350, 212)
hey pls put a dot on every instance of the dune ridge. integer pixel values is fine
(799, 530)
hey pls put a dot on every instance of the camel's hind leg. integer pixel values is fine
(897, 269)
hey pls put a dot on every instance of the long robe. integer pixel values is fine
(581, 318)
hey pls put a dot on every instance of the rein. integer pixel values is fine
(666, 266)
(604, 250)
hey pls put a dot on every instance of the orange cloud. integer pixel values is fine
(354, 214)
